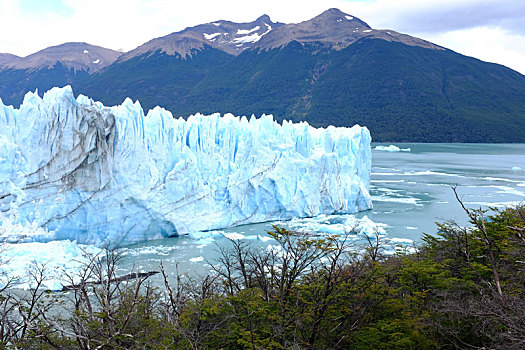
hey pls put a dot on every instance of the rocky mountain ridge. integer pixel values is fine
(336, 30)
(230, 37)
(7, 59)
(73, 55)
(333, 28)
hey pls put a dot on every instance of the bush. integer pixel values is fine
(464, 288)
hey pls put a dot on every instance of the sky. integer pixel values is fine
(491, 30)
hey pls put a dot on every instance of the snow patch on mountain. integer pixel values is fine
(248, 38)
(247, 31)
(210, 36)
(253, 38)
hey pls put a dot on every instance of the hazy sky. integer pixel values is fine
(491, 30)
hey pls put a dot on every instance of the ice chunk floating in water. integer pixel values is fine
(391, 148)
(100, 174)
(60, 258)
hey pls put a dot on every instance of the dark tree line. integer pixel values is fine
(464, 288)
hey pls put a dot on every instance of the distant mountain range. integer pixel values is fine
(333, 69)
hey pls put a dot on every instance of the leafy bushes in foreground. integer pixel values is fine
(462, 289)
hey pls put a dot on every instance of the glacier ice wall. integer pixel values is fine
(95, 174)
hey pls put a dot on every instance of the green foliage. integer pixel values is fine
(400, 92)
(14, 84)
(313, 293)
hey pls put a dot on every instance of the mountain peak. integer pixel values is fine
(264, 18)
(230, 37)
(7, 59)
(73, 55)
(333, 16)
(334, 29)
(333, 12)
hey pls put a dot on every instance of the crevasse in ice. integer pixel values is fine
(100, 174)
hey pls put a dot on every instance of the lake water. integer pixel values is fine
(411, 190)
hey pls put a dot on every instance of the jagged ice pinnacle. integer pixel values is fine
(97, 174)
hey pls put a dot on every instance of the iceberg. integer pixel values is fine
(100, 175)
(391, 148)
(340, 225)
(62, 260)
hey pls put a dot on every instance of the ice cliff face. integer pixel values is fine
(111, 174)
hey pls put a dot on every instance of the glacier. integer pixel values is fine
(74, 169)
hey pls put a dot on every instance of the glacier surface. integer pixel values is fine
(82, 171)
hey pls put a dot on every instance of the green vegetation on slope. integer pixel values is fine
(462, 289)
(14, 84)
(156, 79)
(400, 92)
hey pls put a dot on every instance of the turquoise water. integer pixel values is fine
(483, 174)
(410, 192)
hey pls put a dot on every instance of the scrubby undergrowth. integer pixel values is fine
(464, 288)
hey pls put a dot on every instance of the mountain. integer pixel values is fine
(7, 59)
(333, 28)
(76, 56)
(69, 63)
(336, 30)
(232, 38)
(333, 69)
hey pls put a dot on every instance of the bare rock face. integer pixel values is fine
(333, 29)
(7, 59)
(226, 36)
(77, 56)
